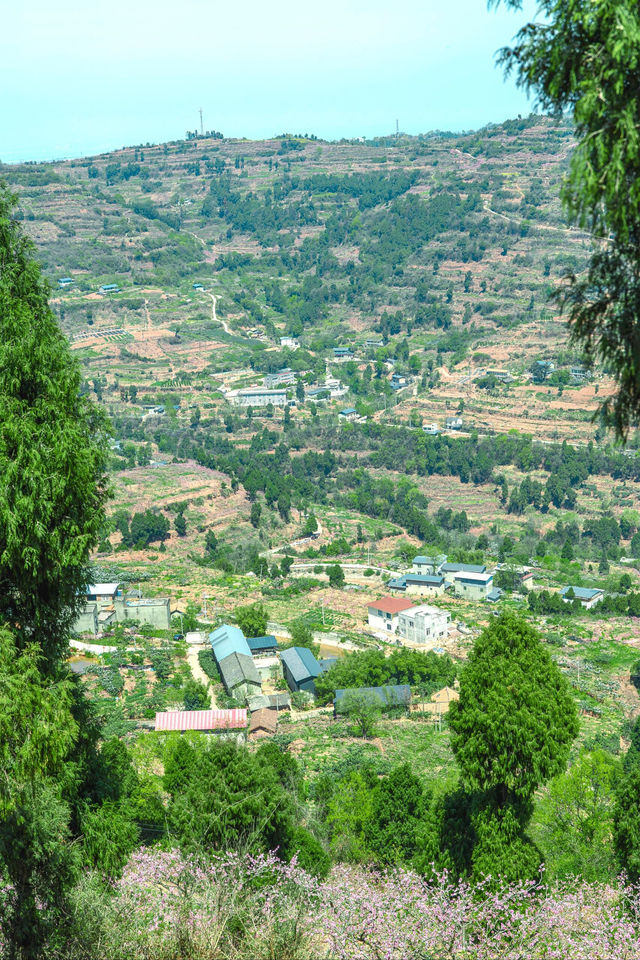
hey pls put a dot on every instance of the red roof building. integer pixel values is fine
(383, 614)
(207, 721)
(391, 605)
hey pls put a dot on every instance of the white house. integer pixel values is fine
(587, 596)
(473, 586)
(423, 624)
(383, 614)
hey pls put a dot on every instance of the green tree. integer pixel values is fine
(573, 822)
(252, 619)
(53, 457)
(511, 732)
(256, 513)
(180, 525)
(580, 57)
(363, 709)
(336, 575)
(196, 696)
(37, 861)
(391, 831)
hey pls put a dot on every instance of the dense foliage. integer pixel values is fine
(583, 59)
(371, 668)
(52, 456)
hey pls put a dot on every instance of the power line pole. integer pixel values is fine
(201, 126)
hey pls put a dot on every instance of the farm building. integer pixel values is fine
(383, 614)
(263, 723)
(300, 668)
(227, 640)
(428, 565)
(450, 570)
(587, 596)
(281, 378)
(431, 429)
(239, 676)
(393, 695)
(423, 624)
(87, 620)
(453, 423)
(259, 645)
(104, 594)
(440, 701)
(473, 586)
(258, 397)
(348, 414)
(227, 724)
(419, 584)
(273, 701)
(290, 342)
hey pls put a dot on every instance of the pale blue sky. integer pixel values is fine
(82, 76)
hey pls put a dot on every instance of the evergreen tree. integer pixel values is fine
(511, 732)
(53, 457)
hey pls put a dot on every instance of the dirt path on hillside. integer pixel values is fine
(197, 672)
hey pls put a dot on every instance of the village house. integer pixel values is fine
(423, 624)
(258, 397)
(473, 586)
(263, 723)
(450, 570)
(300, 668)
(349, 414)
(587, 596)
(290, 342)
(431, 429)
(383, 614)
(281, 378)
(239, 676)
(453, 423)
(419, 584)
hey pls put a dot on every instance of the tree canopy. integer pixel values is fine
(583, 58)
(53, 457)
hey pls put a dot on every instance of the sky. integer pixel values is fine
(79, 77)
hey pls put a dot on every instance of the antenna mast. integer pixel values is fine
(201, 127)
(397, 131)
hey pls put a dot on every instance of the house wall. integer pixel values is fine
(157, 613)
(424, 589)
(472, 591)
(87, 620)
(423, 628)
(387, 622)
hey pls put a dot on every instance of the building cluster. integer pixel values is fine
(431, 576)
(106, 604)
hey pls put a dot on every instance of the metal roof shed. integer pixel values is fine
(227, 640)
(257, 644)
(203, 720)
(300, 668)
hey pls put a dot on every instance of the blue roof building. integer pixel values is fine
(227, 640)
(587, 596)
(300, 668)
(267, 644)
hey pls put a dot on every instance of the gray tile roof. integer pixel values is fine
(301, 663)
(238, 668)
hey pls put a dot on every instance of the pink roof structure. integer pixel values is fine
(202, 720)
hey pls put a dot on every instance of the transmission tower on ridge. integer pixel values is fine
(397, 131)
(201, 126)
